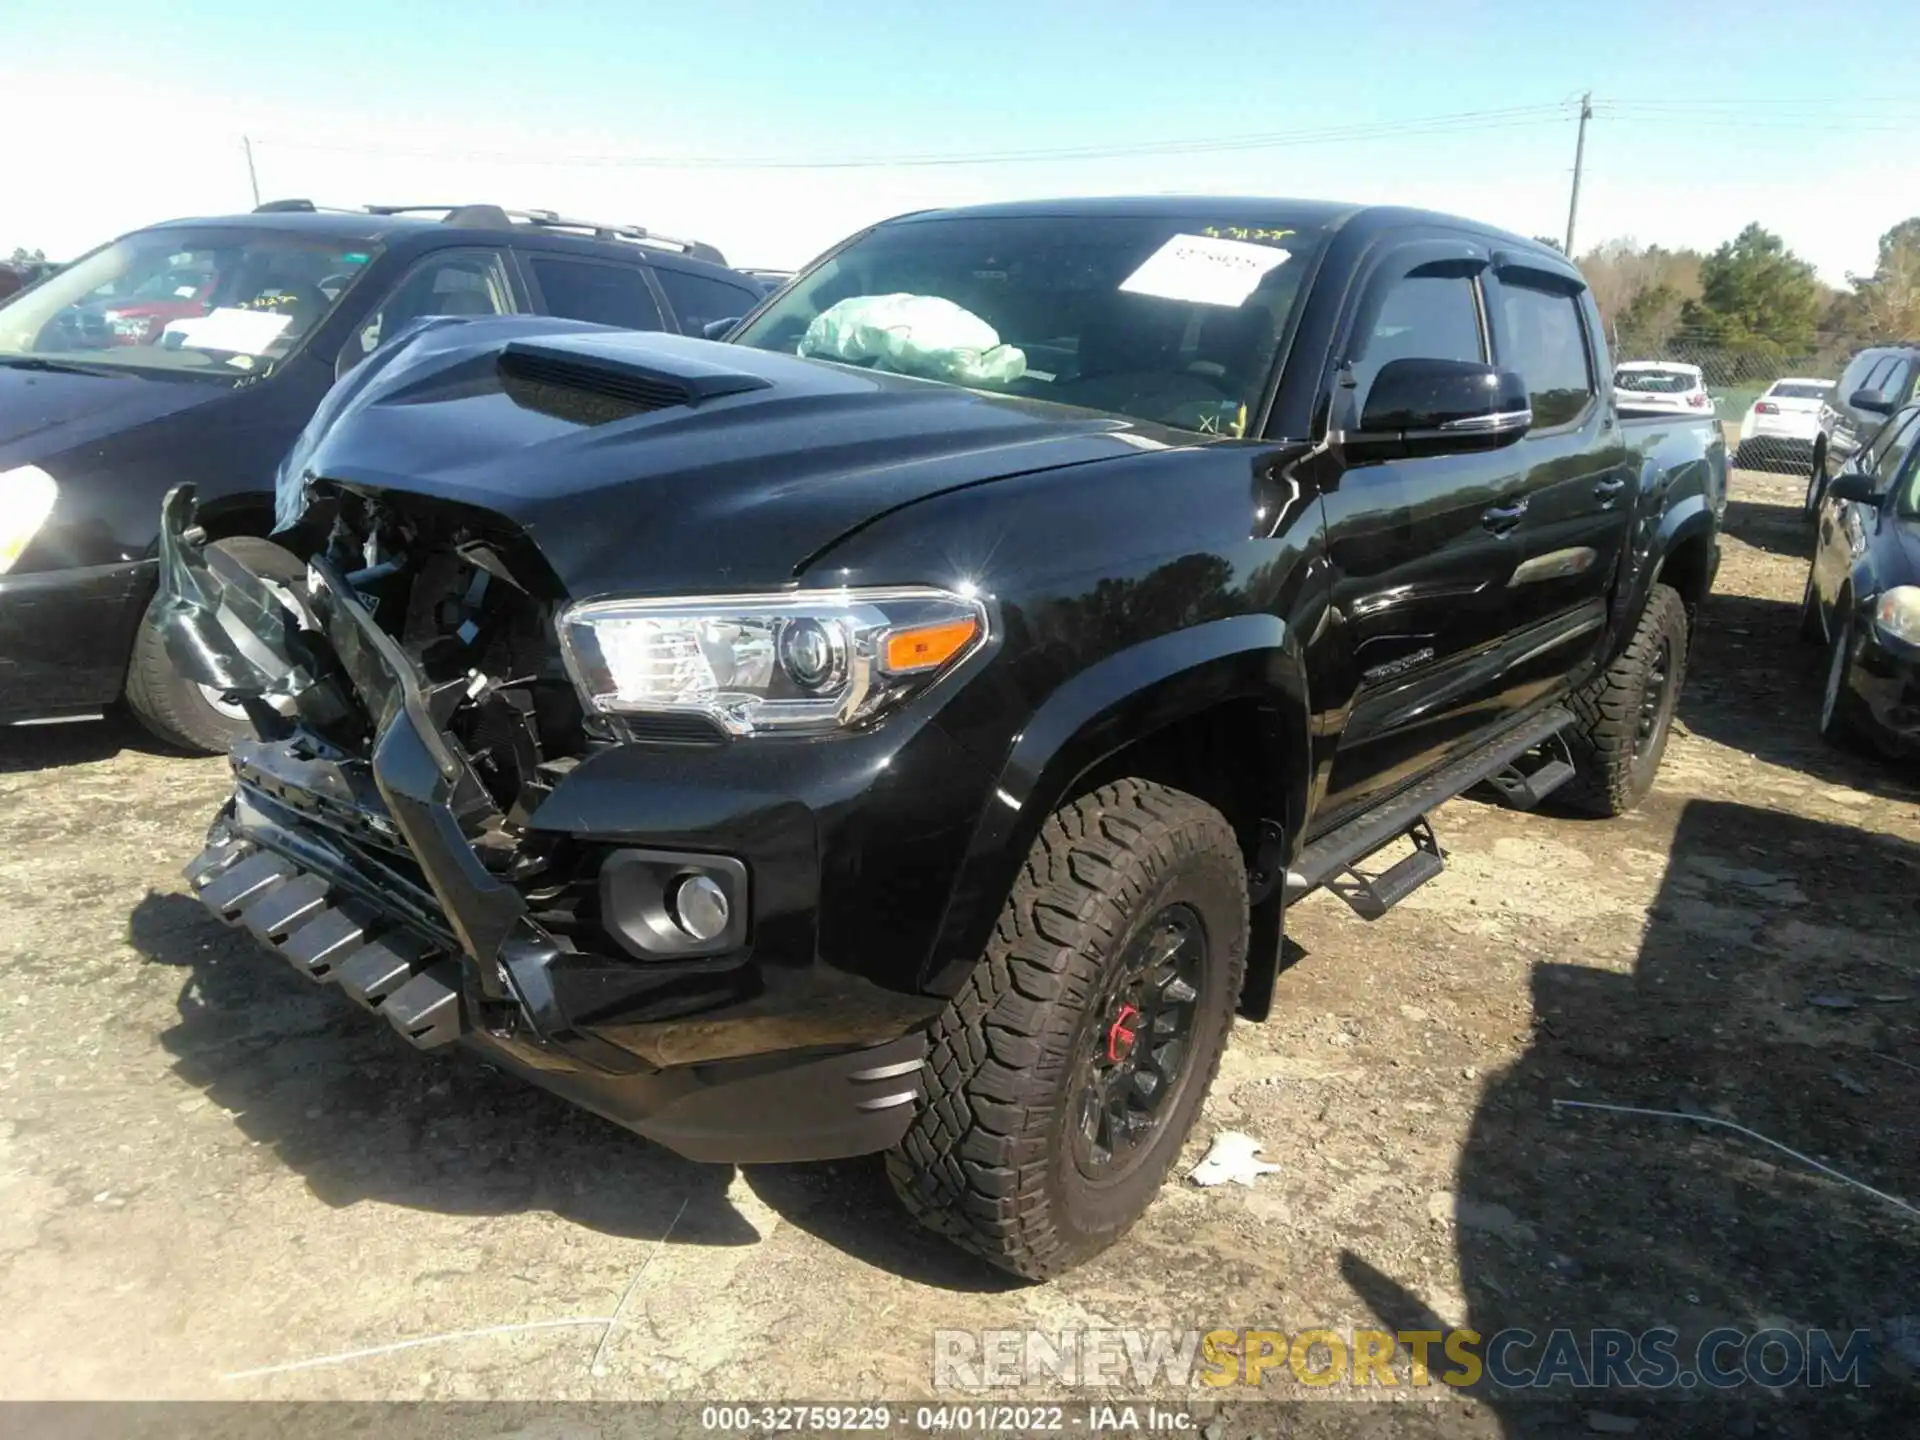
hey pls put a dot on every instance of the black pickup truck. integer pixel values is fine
(903, 726)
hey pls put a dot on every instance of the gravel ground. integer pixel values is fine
(208, 1167)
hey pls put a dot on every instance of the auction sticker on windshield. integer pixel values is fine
(1205, 270)
(249, 332)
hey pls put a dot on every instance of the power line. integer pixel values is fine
(1466, 120)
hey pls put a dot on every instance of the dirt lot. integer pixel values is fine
(208, 1167)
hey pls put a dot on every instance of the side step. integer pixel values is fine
(1371, 896)
(1529, 779)
(1340, 849)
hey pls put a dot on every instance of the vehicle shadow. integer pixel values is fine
(359, 1115)
(1777, 529)
(25, 748)
(1756, 688)
(1752, 1000)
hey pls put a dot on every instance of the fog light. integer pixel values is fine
(699, 907)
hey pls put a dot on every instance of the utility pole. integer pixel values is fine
(254, 180)
(1579, 159)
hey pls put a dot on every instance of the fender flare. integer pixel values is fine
(1688, 520)
(1114, 702)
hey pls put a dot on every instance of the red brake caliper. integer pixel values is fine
(1119, 1037)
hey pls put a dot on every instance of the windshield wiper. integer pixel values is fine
(63, 367)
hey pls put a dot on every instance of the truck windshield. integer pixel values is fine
(1654, 382)
(221, 302)
(1169, 319)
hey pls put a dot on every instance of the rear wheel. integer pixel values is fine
(1625, 714)
(183, 713)
(1816, 484)
(1065, 1075)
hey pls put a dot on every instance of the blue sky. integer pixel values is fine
(1709, 115)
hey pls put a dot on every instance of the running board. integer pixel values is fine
(1344, 847)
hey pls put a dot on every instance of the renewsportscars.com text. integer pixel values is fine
(1512, 1359)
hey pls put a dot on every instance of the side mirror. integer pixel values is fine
(1440, 407)
(1854, 485)
(719, 329)
(1871, 401)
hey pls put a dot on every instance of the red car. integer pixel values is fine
(144, 313)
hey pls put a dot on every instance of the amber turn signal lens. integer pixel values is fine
(926, 647)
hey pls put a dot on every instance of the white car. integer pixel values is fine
(1661, 387)
(1783, 423)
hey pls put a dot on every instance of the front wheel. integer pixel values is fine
(1841, 722)
(185, 714)
(1624, 715)
(1065, 1075)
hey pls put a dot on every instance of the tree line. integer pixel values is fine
(1752, 309)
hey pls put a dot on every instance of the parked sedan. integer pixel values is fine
(1863, 592)
(1661, 387)
(1782, 424)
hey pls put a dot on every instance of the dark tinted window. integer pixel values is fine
(1545, 343)
(1894, 383)
(1423, 317)
(699, 299)
(1854, 377)
(1889, 448)
(1876, 377)
(606, 294)
(1654, 382)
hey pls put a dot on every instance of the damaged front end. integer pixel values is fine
(412, 713)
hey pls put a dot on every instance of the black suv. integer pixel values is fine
(1876, 382)
(196, 351)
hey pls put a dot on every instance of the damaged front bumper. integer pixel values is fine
(355, 864)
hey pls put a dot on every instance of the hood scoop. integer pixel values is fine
(597, 382)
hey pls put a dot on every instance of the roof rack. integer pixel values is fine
(301, 207)
(496, 217)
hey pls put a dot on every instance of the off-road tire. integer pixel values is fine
(173, 707)
(1613, 770)
(987, 1162)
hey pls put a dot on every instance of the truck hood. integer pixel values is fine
(45, 413)
(658, 464)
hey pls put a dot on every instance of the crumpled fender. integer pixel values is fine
(224, 626)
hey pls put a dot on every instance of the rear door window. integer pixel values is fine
(699, 300)
(601, 291)
(1542, 338)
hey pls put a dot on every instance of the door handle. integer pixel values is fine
(1610, 487)
(1502, 518)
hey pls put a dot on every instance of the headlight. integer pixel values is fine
(808, 661)
(1898, 613)
(27, 494)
